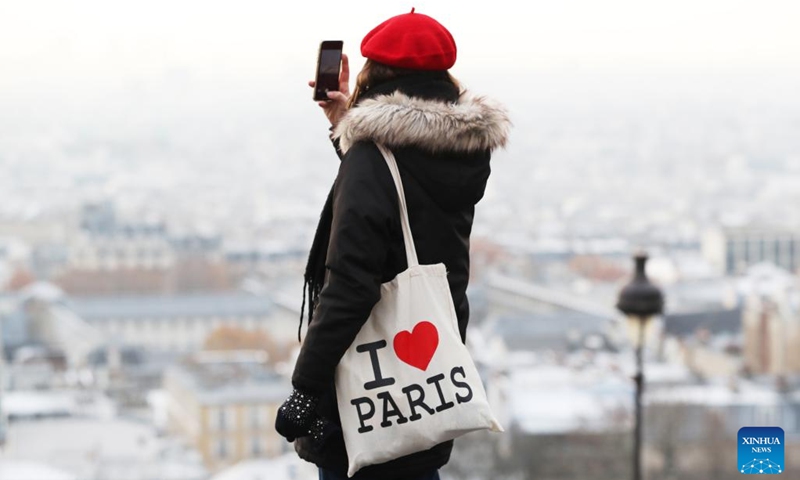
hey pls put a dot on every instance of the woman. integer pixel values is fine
(442, 139)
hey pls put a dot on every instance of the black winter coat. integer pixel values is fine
(442, 142)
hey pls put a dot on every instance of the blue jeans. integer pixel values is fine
(328, 475)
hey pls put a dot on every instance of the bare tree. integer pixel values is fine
(235, 338)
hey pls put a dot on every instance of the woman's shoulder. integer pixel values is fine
(363, 156)
(363, 150)
(471, 124)
(363, 164)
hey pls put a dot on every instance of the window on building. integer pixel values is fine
(747, 246)
(256, 416)
(730, 257)
(256, 448)
(776, 251)
(766, 415)
(222, 448)
(222, 419)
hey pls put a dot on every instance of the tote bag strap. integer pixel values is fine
(411, 251)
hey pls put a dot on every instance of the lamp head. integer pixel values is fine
(640, 298)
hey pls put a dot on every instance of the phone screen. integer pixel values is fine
(328, 64)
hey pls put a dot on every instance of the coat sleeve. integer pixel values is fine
(364, 207)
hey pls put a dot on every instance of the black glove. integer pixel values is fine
(297, 417)
(319, 429)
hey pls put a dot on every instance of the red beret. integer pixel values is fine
(411, 40)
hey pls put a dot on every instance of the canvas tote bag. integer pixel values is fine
(408, 383)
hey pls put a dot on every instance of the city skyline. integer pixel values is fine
(163, 171)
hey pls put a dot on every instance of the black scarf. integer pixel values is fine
(434, 85)
(314, 276)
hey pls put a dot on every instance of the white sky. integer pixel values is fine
(80, 58)
(80, 39)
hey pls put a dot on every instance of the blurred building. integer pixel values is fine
(771, 339)
(27, 470)
(200, 264)
(42, 318)
(507, 294)
(15, 258)
(771, 321)
(272, 261)
(224, 404)
(14, 330)
(523, 318)
(689, 428)
(733, 250)
(107, 255)
(549, 332)
(126, 373)
(121, 344)
(286, 467)
(564, 420)
(33, 230)
(177, 323)
(708, 342)
(4, 309)
(36, 367)
(86, 441)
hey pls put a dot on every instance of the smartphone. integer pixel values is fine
(328, 65)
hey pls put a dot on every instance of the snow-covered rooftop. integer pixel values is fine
(715, 396)
(287, 467)
(552, 399)
(22, 404)
(26, 470)
(95, 448)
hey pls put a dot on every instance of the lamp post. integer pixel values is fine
(640, 301)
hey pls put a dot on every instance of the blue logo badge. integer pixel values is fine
(761, 450)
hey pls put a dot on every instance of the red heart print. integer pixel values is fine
(417, 347)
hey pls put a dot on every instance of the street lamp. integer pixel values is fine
(640, 301)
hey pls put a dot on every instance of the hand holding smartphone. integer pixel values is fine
(328, 69)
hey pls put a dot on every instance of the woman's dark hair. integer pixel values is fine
(374, 73)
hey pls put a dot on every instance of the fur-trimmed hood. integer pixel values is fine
(471, 124)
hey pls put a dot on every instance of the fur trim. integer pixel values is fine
(472, 124)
